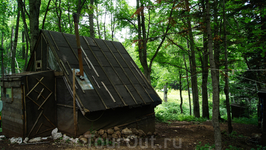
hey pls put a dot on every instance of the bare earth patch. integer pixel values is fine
(175, 135)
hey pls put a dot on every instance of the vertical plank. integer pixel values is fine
(74, 103)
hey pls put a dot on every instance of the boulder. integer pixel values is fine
(116, 128)
(83, 139)
(126, 131)
(101, 132)
(134, 131)
(141, 133)
(110, 131)
(104, 136)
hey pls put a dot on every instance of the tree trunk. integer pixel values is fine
(25, 31)
(23, 45)
(46, 11)
(98, 24)
(34, 21)
(226, 87)
(180, 90)
(215, 99)
(189, 99)
(165, 90)
(59, 14)
(2, 57)
(113, 27)
(14, 50)
(11, 51)
(104, 28)
(69, 18)
(194, 81)
(91, 19)
(205, 71)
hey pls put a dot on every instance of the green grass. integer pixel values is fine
(170, 110)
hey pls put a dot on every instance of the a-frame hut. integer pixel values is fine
(114, 92)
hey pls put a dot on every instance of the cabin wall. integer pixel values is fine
(12, 112)
(29, 106)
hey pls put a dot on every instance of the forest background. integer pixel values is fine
(202, 47)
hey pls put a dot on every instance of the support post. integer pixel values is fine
(74, 104)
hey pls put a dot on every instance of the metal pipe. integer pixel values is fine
(75, 16)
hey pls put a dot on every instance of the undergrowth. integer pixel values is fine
(170, 111)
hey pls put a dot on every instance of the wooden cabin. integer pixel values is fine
(114, 92)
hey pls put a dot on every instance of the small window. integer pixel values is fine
(8, 93)
(38, 64)
(85, 83)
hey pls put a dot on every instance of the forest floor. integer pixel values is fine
(173, 135)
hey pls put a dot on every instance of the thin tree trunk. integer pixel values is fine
(113, 27)
(226, 88)
(27, 53)
(23, 45)
(59, 14)
(165, 92)
(180, 90)
(91, 19)
(11, 51)
(69, 18)
(104, 29)
(215, 112)
(216, 46)
(14, 50)
(205, 71)
(46, 11)
(189, 99)
(98, 24)
(23, 12)
(34, 21)
(194, 81)
(2, 55)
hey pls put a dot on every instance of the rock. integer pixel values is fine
(26, 140)
(114, 136)
(141, 133)
(101, 132)
(116, 128)
(96, 134)
(110, 136)
(74, 140)
(83, 140)
(126, 131)
(104, 136)
(65, 137)
(118, 133)
(149, 133)
(155, 133)
(34, 140)
(56, 134)
(15, 140)
(126, 140)
(135, 131)
(110, 131)
(256, 135)
(87, 134)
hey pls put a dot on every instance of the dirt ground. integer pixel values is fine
(174, 135)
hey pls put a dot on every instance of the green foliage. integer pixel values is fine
(170, 111)
(243, 120)
(204, 147)
(259, 147)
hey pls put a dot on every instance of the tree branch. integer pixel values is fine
(167, 29)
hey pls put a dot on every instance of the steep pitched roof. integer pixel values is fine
(114, 76)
